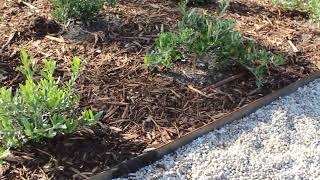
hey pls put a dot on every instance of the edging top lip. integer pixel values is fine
(149, 157)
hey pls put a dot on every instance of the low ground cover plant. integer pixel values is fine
(65, 10)
(313, 6)
(84, 10)
(212, 40)
(40, 109)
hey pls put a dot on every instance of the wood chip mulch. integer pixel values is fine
(143, 109)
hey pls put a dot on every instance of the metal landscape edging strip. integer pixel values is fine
(149, 157)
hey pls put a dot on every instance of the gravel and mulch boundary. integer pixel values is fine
(279, 141)
(143, 109)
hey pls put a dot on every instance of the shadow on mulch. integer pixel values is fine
(8, 75)
(111, 29)
(79, 155)
(255, 9)
(38, 29)
(277, 77)
(42, 27)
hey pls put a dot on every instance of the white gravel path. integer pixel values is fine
(279, 141)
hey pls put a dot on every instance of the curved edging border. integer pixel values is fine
(149, 157)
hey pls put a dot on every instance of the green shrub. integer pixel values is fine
(214, 41)
(315, 9)
(40, 109)
(312, 6)
(84, 10)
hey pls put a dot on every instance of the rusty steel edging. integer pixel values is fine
(149, 157)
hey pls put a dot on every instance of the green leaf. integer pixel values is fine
(26, 67)
(98, 115)
(278, 60)
(75, 67)
(88, 118)
(4, 153)
(51, 133)
(27, 128)
(49, 67)
(71, 125)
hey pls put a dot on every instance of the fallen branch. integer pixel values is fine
(222, 82)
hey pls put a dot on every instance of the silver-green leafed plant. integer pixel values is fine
(312, 6)
(42, 108)
(203, 35)
(65, 10)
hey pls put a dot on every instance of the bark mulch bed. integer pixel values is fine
(143, 109)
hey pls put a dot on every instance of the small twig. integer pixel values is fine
(12, 158)
(125, 112)
(242, 101)
(117, 103)
(78, 173)
(175, 93)
(30, 6)
(9, 40)
(115, 69)
(46, 153)
(110, 112)
(222, 82)
(177, 129)
(60, 40)
(253, 92)
(248, 38)
(295, 49)
(115, 129)
(141, 38)
(198, 91)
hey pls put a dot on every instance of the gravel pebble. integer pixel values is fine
(279, 141)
